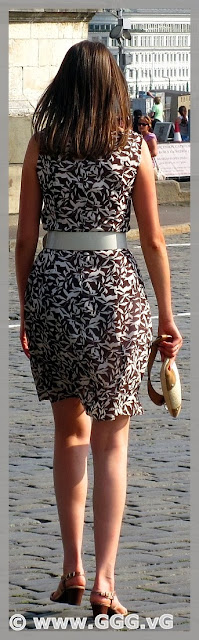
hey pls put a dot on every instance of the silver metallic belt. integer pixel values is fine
(85, 240)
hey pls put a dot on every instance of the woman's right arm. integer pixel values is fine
(28, 227)
(154, 250)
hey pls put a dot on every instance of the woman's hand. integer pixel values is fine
(24, 340)
(169, 348)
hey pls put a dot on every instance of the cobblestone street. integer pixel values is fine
(152, 572)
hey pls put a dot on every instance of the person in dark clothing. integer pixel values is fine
(136, 115)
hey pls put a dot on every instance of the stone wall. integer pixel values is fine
(38, 42)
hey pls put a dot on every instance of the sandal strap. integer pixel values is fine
(72, 574)
(105, 594)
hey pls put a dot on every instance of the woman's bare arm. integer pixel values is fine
(153, 147)
(154, 248)
(28, 225)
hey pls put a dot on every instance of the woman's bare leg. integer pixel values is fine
(72, 438)
(109, 441)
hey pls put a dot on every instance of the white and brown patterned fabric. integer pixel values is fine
(87, 317)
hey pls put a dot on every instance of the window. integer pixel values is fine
(180, 72)
(104, 40)
(179, 57)
(174, 57)
(165, 27)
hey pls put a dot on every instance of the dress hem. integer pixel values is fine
(137, 408)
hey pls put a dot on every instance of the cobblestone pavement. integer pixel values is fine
(152, 573)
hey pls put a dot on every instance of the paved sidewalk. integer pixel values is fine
(171, 215)
(152, 573)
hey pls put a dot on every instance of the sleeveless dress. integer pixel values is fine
(87, 317)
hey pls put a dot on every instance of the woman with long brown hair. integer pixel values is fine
(85, 318)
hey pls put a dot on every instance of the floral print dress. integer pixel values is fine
(87, 317)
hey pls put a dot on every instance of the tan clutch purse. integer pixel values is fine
(170, 382)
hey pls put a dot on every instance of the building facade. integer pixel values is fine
(159, 47)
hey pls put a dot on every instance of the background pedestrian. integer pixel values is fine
(182, 119)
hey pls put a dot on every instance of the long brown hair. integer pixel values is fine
(85, 111)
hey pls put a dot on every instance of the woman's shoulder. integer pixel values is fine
(134, 136)
(152, 135)
(134, 140)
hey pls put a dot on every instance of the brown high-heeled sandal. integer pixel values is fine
(71, 594)
(107, 605)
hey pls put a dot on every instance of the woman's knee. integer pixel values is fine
(110, 434)
(70, 418)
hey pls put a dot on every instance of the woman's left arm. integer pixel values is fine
(28, 226)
